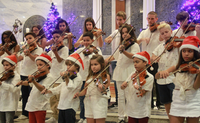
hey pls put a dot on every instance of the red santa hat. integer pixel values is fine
(45, 58)
(75, 57)
(11, 59)
(143, 56)
(191, 42)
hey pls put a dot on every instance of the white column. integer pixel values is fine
(148, 5)
(128, 10)
(113, 19)
(97, 11)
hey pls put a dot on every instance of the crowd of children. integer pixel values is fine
(68, 79)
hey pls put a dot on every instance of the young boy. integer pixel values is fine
(58, 53)
(67, 105)
(168, 59)
(138, 107)
(28, 67)
(9, 94)
(87, 40)
(120, 20)
(38, 104)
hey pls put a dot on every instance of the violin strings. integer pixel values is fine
(96, 22)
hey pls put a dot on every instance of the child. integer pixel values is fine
(11, 47)
(120, 20)
(96, 103)
(9, 94)
(138, 108)
(89, 24)
(37, 103)
(67, 105)
(58, 54)
(41, 42)
(28, 67)
(186, 94)
(169, 58)
(87, 40)
(125, 64)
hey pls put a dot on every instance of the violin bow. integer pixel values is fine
(96, 22)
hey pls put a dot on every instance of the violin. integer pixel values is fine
(190, 28)
(87, 51)
(95, 31)
(70, 75)
(32, 47)
(176, 43)
(154, 26)
(127, 44)
(140, 81)
(101, 80)
(7, 45)
(191, 69)
(39, 75)
(7, 75)
(65, 36)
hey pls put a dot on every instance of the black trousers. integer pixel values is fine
(67, 116)
(155, 66)
(25, 94)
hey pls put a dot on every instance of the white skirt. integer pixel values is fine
(95, 107)
(190, 107)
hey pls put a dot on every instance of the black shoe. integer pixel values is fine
(121, 121)
(116, 103)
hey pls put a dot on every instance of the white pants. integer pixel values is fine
(121, 100)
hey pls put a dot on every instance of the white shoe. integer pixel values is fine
(81, 120)
(21, 117)
(51, 120)
(85, 121)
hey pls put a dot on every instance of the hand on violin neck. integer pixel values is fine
(31, 78)
(54, 49)
(121, 48)
(141, 93)
(136, 86)
(26, 52)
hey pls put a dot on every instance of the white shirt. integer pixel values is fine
(180, 32)
(86, 62)
(36, 100)
(139, 107)
(9, 94)
(67, 92)
(115, 42)
(28, 66)
(167, 60)
(153, 43)
(57, 67)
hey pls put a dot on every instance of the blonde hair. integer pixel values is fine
(153, 13)
(164, 25)
(121, 14)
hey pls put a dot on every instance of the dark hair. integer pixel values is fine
(90, 34)
(181, 60)
(31, 33)
(132, 34)
(88, 20)
(76, 65)
(56, 31)
(182, 16)
(7, 61)
(63, 21)
(11, 37)
(45, 63)
(41, 31)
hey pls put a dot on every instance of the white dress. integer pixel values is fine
(186, 100)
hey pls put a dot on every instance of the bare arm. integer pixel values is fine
(108, 39)
(165, 74)
(78, 42)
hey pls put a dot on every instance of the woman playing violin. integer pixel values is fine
(138, 107)
(186, 93)
(89, 25)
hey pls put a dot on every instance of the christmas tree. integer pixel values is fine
(192, 7)
(51, 22)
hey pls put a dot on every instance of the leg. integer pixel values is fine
(167, 108)
(40, 116)
(143, 120)
(175, 119)
(102, 120)
(90, 120)
(10, 117)
(132, 120)
(61, 118)
(113, 65)
(82, 113)
(121, 100)
(69, 116)
(192, 120)
(2, 117)
(32, 118)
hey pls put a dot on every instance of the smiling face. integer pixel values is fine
(87, 41)
(187, 54)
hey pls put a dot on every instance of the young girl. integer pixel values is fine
(96, 103)
(9, 46)
(89, 24)
(138, 107)
(41, 42)
(37, 103)
(125, 64)
(186, 94)
(9, 93)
